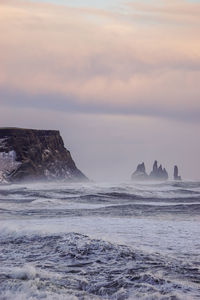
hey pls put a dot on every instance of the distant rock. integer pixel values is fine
(140, 173)
(29, 154)
(176, 176)
(158, 173)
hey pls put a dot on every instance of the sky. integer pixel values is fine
(119, 79)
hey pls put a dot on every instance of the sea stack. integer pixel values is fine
(140, 173)
(158, 173)
(29, 154)
(176, 175)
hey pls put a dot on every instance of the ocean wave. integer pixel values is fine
(100, 241)
(76, 265)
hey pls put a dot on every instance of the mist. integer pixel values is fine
(109, 147)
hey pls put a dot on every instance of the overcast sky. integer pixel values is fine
(119, 79)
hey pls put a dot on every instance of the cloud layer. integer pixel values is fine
(121, 85)
(144, 60)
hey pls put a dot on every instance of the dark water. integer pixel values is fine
(100, 241)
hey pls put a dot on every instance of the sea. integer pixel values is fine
(100, 241)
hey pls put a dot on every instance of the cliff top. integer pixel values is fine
(32, 154)
(15, 131)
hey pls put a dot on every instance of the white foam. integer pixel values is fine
(170, 235)
(153, 235)
(27, 272)
(29, 292)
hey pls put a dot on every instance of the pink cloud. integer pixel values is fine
(102, 59)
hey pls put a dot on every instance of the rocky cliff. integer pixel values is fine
(176, 175)
(140, 173)
(28, 154)
(158, 173)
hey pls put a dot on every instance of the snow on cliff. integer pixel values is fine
(8, 163)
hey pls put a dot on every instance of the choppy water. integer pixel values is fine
(100, 241)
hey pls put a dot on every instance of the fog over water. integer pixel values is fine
(109, 147)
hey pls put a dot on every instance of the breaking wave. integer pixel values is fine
(92, 241)
(75, 265)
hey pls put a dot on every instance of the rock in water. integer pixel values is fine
(29, 154)
(140, 173)
(176, 176)
(158, 173)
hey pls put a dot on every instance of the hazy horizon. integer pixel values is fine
(118, 79)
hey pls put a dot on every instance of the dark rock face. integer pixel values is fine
(158, 173)
(140, 173)
(176, 176)
(28, 154)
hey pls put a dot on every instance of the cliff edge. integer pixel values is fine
(30, 154)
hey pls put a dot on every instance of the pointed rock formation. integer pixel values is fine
(140, 173)
(176, 176)
(155, 167)
(29, 154)
(165, 174)
(158, 173)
